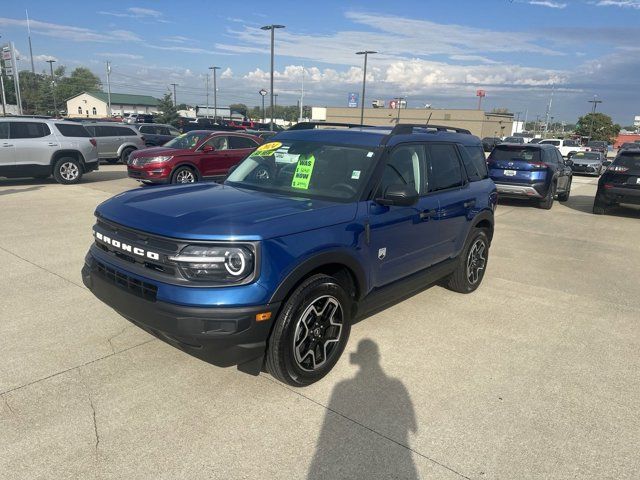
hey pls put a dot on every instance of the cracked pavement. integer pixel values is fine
(536, 375)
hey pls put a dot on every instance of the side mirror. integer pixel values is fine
(568, 162)
(399, 195)
(606, 163)
(208, 148)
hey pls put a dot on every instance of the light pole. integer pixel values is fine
(109, 90)
(215, 93)
(53, 90)
(207, 89)
(273, 29)
(262, 93)
(593, 113)
(275, 105)
(366, 54)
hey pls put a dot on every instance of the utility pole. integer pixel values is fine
(109, 89)
(207, 89)
(33, 70)
(366, 54)
(273, 29)
(53, 86)
(595, 102)
(215, 93)
(518, 122)
(175, 101)
(302, 96)
(546, 120)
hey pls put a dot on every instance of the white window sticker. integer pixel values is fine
(355, 175)
(282, 155)
(370, 154)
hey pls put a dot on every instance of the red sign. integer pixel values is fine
(481, 93)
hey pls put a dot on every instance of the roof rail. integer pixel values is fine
(312, 125)
(407, 128)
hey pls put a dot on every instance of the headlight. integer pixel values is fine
(144, 160)
(216, 263)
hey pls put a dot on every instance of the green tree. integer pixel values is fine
(81, 80)
(597, 125)
(169, 113)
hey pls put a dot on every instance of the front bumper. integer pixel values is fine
(222, 336)
(521, 190)
(158, 174)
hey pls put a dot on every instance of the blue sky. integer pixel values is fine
(431, 52)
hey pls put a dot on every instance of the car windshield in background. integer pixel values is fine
(629, 160)
(514, 140)
(524, 154)
(597, 144)
(71, 130)
(586, 156)
(186, 140)
(305, 169)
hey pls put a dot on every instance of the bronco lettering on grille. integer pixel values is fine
(125, 247)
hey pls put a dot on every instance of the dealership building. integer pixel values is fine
(96, 104)
(480, 123)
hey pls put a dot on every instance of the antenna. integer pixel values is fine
(428, 119)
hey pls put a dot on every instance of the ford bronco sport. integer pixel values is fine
(313, 229)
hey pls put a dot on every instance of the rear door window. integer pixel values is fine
(4, 130)
(29, 130)
(474, 162)
(443, 167)
(70, 130)
(241, 142)
(123, 132)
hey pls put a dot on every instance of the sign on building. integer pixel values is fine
(636, 121)
(353, 100)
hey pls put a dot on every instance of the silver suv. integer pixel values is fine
(115, 141)
(38, 147)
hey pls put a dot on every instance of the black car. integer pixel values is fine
(599, 146)
(627, 146)
(536, 140)
(156, 134)
(620, 183)
(530, 171)
(488, 143)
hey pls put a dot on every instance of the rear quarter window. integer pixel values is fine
(29, 130)
(474, 163)
(67, 130)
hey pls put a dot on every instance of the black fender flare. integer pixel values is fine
(332, 257)
(484, 216)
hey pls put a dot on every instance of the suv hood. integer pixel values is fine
(210, 211)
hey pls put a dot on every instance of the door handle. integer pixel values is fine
(7, 145)
(51, 144)
(427, 214)
(469, 203)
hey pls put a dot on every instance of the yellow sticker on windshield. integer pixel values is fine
(267, 149)
(304, 170)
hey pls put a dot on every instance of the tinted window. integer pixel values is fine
(29, 130)
(123, 131)
(629, 160)
(404, 167)
(513, 153)
(443, 169)
(552, 142)
(474, 163)
(147, 129)
(162, 131)
(241, 142)
(70, 130)
(219, 143)
(570, 143)
(4, 129)
(91, 129)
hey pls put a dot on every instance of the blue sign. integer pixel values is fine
(353, 100)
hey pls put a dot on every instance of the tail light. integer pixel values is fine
(538, 165)
(93, 142)
(617, 168)
(608, 185)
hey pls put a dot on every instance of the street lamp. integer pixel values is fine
(366, 54)
(215, 93)
(262, 93)
(273, 29)
(53, 90)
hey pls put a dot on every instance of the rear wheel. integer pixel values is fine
(600, 207)
(311, 332)
(67, 170)
(564, 196)
(124, 156)
(547, 202)
(472, 263)
(184, 175)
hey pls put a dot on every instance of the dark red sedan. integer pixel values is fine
(191, 157)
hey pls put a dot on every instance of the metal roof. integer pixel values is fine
(124, 98)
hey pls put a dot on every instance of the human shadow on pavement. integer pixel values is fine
(365, 433)
(584, 203)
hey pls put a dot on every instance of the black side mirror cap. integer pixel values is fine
(399, 196)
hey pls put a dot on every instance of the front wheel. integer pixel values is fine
(184, 175)
(563, 197)
(472, 264)
(67, 171)
(311, 332)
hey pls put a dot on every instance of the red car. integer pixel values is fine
(191, 157)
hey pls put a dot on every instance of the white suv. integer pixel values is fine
(39, 147)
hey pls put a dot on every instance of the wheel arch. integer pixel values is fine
(485, 220)
(186, 163)
(125, 145)
(66, 153)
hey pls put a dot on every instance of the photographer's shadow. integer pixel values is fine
(365, 434)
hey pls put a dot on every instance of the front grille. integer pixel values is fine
(132, 285)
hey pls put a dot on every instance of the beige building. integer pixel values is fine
(96, 104)
(480, 123)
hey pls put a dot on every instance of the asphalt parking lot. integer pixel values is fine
(535, 375)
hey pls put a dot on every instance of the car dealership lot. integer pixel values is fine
(536, 375)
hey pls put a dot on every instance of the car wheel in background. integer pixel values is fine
(472, 263)
(67, 170)
(547, 202)
(563, 197)
(311, 332)
(124, 156)
(184, 175)
(112, 161)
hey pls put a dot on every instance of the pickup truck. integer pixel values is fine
(566, 147)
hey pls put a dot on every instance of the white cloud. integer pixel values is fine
(126, 56)
(619, 3)
(68, 32)
(136, 12)
(44, 58)
(178, 39)
(472, 58)
(548, 3)
(228, 73)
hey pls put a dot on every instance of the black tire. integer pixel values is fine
(564, 196)
(112, 161)
(600, 207)
(184, 174)
(472, 263)
(297, 365)
(547, 202)
(124, 156)
(67, 171)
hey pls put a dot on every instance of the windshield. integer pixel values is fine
(629, 160)
(186, 140)
(514, 140)
(511, 154)
(596, 144)
(306, 169)
(586, 156)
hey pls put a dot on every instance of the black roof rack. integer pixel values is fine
(407, 128)
(312, 125)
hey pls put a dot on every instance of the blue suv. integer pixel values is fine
(312, 230)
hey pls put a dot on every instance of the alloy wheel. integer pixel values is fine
(476, 261)
(69, 171)
(318, 332)
(185, 176)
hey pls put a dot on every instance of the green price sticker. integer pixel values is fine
(303, 172)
